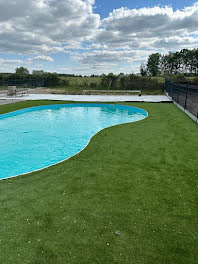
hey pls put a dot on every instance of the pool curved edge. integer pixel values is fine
(27, 173)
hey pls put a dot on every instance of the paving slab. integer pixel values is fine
(93, 98)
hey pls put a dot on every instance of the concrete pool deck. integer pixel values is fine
(4, 99)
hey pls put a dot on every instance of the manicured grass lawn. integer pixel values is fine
(139, 178)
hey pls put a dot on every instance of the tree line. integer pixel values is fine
(179, 62)
(38, 78)
(130, 82)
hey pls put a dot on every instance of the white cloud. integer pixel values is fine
(173, 43)
(104, 61)
(9, 65)
(142, 28)
(37, 26)
(41, 58)
(10, 61)
(113, 56)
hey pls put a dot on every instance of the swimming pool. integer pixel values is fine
(37, 137)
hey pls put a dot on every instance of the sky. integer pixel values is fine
(93, 37)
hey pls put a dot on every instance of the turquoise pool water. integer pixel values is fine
(37, 137)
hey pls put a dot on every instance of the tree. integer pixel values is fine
(108, 81)
(196, 61)
(143, 70)
(153, 64)
(180, 62)
(22, 71)
(52, 79)
(38, 72)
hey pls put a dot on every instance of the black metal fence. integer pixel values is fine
(23, 83)
(184, 95)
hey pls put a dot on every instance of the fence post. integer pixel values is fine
(187, 90)
(171, 89)
(167, 90)
(177, 94)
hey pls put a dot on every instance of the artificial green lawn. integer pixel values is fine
(139, 178)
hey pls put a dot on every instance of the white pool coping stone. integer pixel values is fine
(92, 98)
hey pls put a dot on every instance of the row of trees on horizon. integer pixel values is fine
(179, 62)
(122, 81)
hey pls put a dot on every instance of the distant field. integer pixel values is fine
(82, 81)
(78, 84)
(159, 79)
